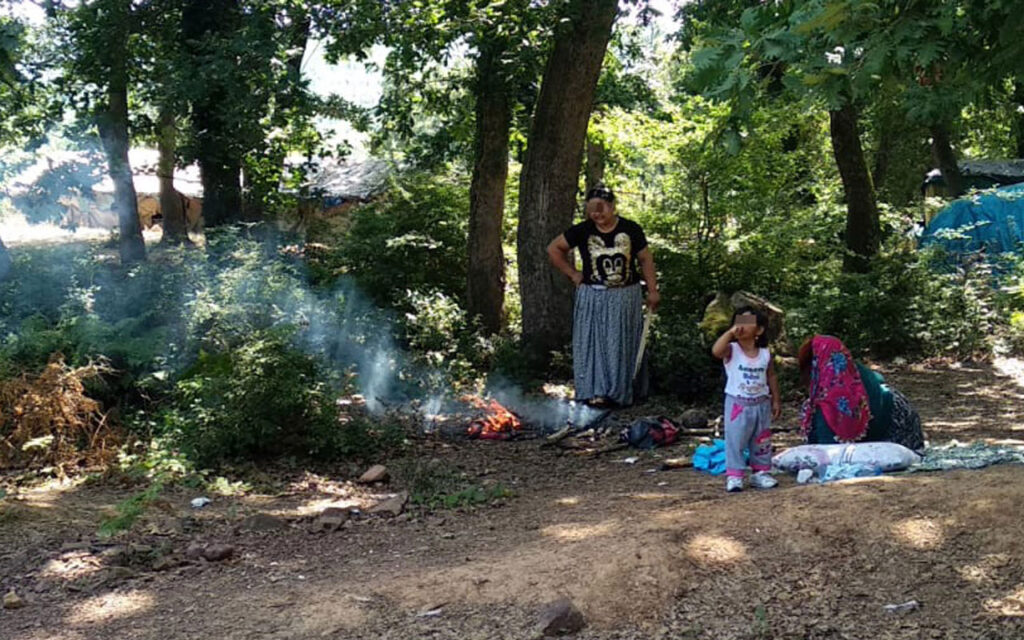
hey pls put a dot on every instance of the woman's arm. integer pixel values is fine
(650, 277)
(558, 253)
(773, 385)
(721, 348)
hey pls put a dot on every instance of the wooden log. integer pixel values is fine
(695, 432)
(559, 435)
(677, 463)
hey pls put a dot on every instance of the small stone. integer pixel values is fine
(120, 573)
(392, 506)
(561, 618)
(13, 601)
(164, 563)
(263, 522)
(694, 419)
(218, 552)
(331, 519)
(376, 473)
(116, 556)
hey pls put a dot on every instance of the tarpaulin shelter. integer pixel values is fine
(989, 222)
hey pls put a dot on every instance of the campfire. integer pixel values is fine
(496, 423)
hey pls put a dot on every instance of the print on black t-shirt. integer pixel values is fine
(609, 259)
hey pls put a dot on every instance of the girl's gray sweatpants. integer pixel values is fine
(748, 423)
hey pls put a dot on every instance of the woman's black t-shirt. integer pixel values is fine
(609, 259)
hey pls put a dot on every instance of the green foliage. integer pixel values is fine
(442, 339)
(129, 510)
(901, 307)
(433, 484)
(414, 239)
(259, 400)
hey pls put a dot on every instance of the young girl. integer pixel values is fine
(751, 398)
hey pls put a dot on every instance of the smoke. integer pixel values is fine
(246, 280)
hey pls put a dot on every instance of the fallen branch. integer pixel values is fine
(677, 463)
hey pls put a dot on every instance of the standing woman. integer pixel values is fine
(608, 314)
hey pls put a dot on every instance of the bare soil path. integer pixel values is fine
(643, 554)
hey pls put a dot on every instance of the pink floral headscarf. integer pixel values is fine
(837, 390)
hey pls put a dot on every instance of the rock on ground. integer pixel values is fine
(392, 506)
(561, 618)
(376, 473)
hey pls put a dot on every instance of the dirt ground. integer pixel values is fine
(643, 553)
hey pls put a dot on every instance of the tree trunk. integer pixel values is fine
(113, 128)
(171, 206)
(5, 260)
(205, 24)
(595, 163)
(1018, 116)
(551, 170)
(485, 295)
(944, 156)
(883, 156)
(862, 230)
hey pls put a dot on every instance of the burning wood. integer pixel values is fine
(497, 423)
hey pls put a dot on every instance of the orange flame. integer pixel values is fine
(498, 423)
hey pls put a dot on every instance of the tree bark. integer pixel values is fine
(113, 129)
(862, 229)
(205, 24)
(551, 170)
(171, 205)
(5, 260)
(485, 295)
(945, 157)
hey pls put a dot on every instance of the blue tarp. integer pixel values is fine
(991, 221)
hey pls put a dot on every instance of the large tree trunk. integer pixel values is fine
(485, 295)
(5, 260)
(113, 128)
(551, 170)
(944, 156)
(172, 208)
(862, 230)
(205, 25)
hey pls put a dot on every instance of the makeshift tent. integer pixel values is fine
(991, 222)
(976, 174)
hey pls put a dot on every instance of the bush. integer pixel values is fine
(414, 239)
(259, 400)
(441, 338)
(48, 419)
(901, 307)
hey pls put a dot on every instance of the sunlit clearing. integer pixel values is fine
(16, 231)
(110, 606)
(570, 501)
(316, 506)
(715, 550)
(576, 532)
(1009, 442)
(920, 533)
(70, 567)
(647, 496)
(984, 571)
(1010, 605)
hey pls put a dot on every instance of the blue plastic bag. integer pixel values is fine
(710, 458)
